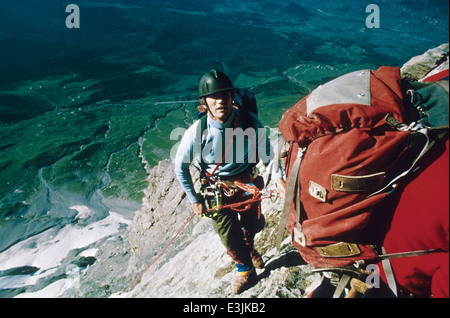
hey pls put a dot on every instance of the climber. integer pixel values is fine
(223, 121)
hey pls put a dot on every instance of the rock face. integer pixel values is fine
(431, 62)
(196, 263)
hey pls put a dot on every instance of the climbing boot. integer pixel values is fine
(257, 259)
(245, 280)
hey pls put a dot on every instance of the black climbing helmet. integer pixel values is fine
(213, 82)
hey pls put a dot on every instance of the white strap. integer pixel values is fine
(292, 183)
(389, 273)
(341, 286)
(423, 131)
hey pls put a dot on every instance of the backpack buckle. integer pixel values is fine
(341, 249)
(299, 237)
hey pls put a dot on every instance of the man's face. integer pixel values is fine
(220, 105)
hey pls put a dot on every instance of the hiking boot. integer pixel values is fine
(245, 280)
(257, 259)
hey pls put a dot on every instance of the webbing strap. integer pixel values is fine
(387, 266)
(421, 130)
(341, 286)
(229, 144)
(292, 183)
(389, 272)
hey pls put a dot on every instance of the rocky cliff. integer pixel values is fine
(196, 264)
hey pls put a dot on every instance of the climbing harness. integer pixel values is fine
(212, 187)
(229, 144)
(213, 196)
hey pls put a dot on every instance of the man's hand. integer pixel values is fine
(199, 208)
(281, 187)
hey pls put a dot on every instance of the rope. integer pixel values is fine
(257, 196)
(171, 241)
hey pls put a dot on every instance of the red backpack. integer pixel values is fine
(353, 143)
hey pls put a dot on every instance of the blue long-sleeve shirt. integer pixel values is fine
(249, 146)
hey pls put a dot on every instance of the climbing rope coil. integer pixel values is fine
(229, 189)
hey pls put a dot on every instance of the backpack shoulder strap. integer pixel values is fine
(245, 99)
(290, 194)
(203, 124)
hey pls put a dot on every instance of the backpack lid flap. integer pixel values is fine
(352, 88)
(360, 99)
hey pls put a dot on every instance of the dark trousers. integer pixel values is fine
(237, 229)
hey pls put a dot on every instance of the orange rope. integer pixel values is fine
(234, 206)
(171, 241)
(248, 203)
